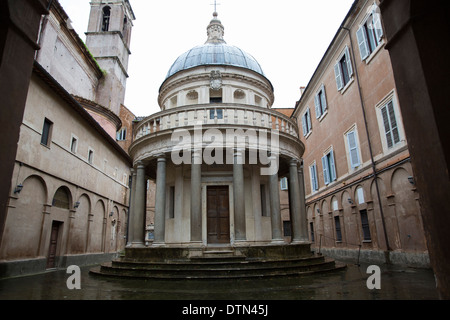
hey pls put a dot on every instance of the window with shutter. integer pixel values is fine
(306, 123)
(353, 149)
(370, 33)
(343, 70)
(329, 168)
(326, 170)
(320, 102)
(390, 124)
(364, 49)
(338, 75)
(332, 166)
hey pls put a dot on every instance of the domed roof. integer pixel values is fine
(215, 52)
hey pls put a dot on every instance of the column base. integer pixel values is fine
(137, 245)
(158, 244)
(277, 241)
(295, 241)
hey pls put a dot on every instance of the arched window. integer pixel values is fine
(61, 198)
(106, 18)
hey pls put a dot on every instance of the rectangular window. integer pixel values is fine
(306, 123)
(343, 70)
(311, 227)
(314, 181)
(91, 156)
(365, 225)
(329, 168)
(122, 134)
(352, 143)
(337, 224)
(390, 124)
(73, 145)
(284, 183)
(320, 102)
(369, 34)
(46, 132)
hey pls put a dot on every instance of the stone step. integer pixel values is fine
(205, 263)
(243, 270)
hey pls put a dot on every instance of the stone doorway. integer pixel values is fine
(218, 214)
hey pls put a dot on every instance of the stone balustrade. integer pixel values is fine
(209, 115)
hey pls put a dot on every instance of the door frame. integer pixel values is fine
(59, 225)
(205, 216)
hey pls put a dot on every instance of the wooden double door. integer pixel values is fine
(218, 214)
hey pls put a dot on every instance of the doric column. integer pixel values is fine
(138, 222)
(196, 196)
(294, 202)
(239, 196)
(275, 212)
(160, 205)
(131, 217)
(303, 215)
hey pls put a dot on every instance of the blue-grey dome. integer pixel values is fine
(215, 54)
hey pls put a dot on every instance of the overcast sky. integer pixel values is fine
(287, 37)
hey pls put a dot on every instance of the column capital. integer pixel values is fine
(161, 158)
(294, 162)
(139, 165)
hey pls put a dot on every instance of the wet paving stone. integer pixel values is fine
(397, 283)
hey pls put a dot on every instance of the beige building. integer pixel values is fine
(69, 198)
(361, 197)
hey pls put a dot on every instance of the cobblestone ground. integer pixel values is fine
(397, 283)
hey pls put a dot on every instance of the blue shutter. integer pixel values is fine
(353, 149)
(362, 42)
(308, 119)
(314, 184)
(317, 105)
(387, 126)
(304, 124)
(349, 62)
(332, 166)
(326, 177)
(338, 75)
(324, 99)
(377, 22)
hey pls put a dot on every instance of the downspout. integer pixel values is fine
(44, 19)
(375, 174)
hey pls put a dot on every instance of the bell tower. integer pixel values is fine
(108, 39)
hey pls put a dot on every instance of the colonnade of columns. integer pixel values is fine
(136, 232)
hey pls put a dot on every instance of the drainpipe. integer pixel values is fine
(375, 174)
(44, 19)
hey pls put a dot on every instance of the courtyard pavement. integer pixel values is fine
(397, 283)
